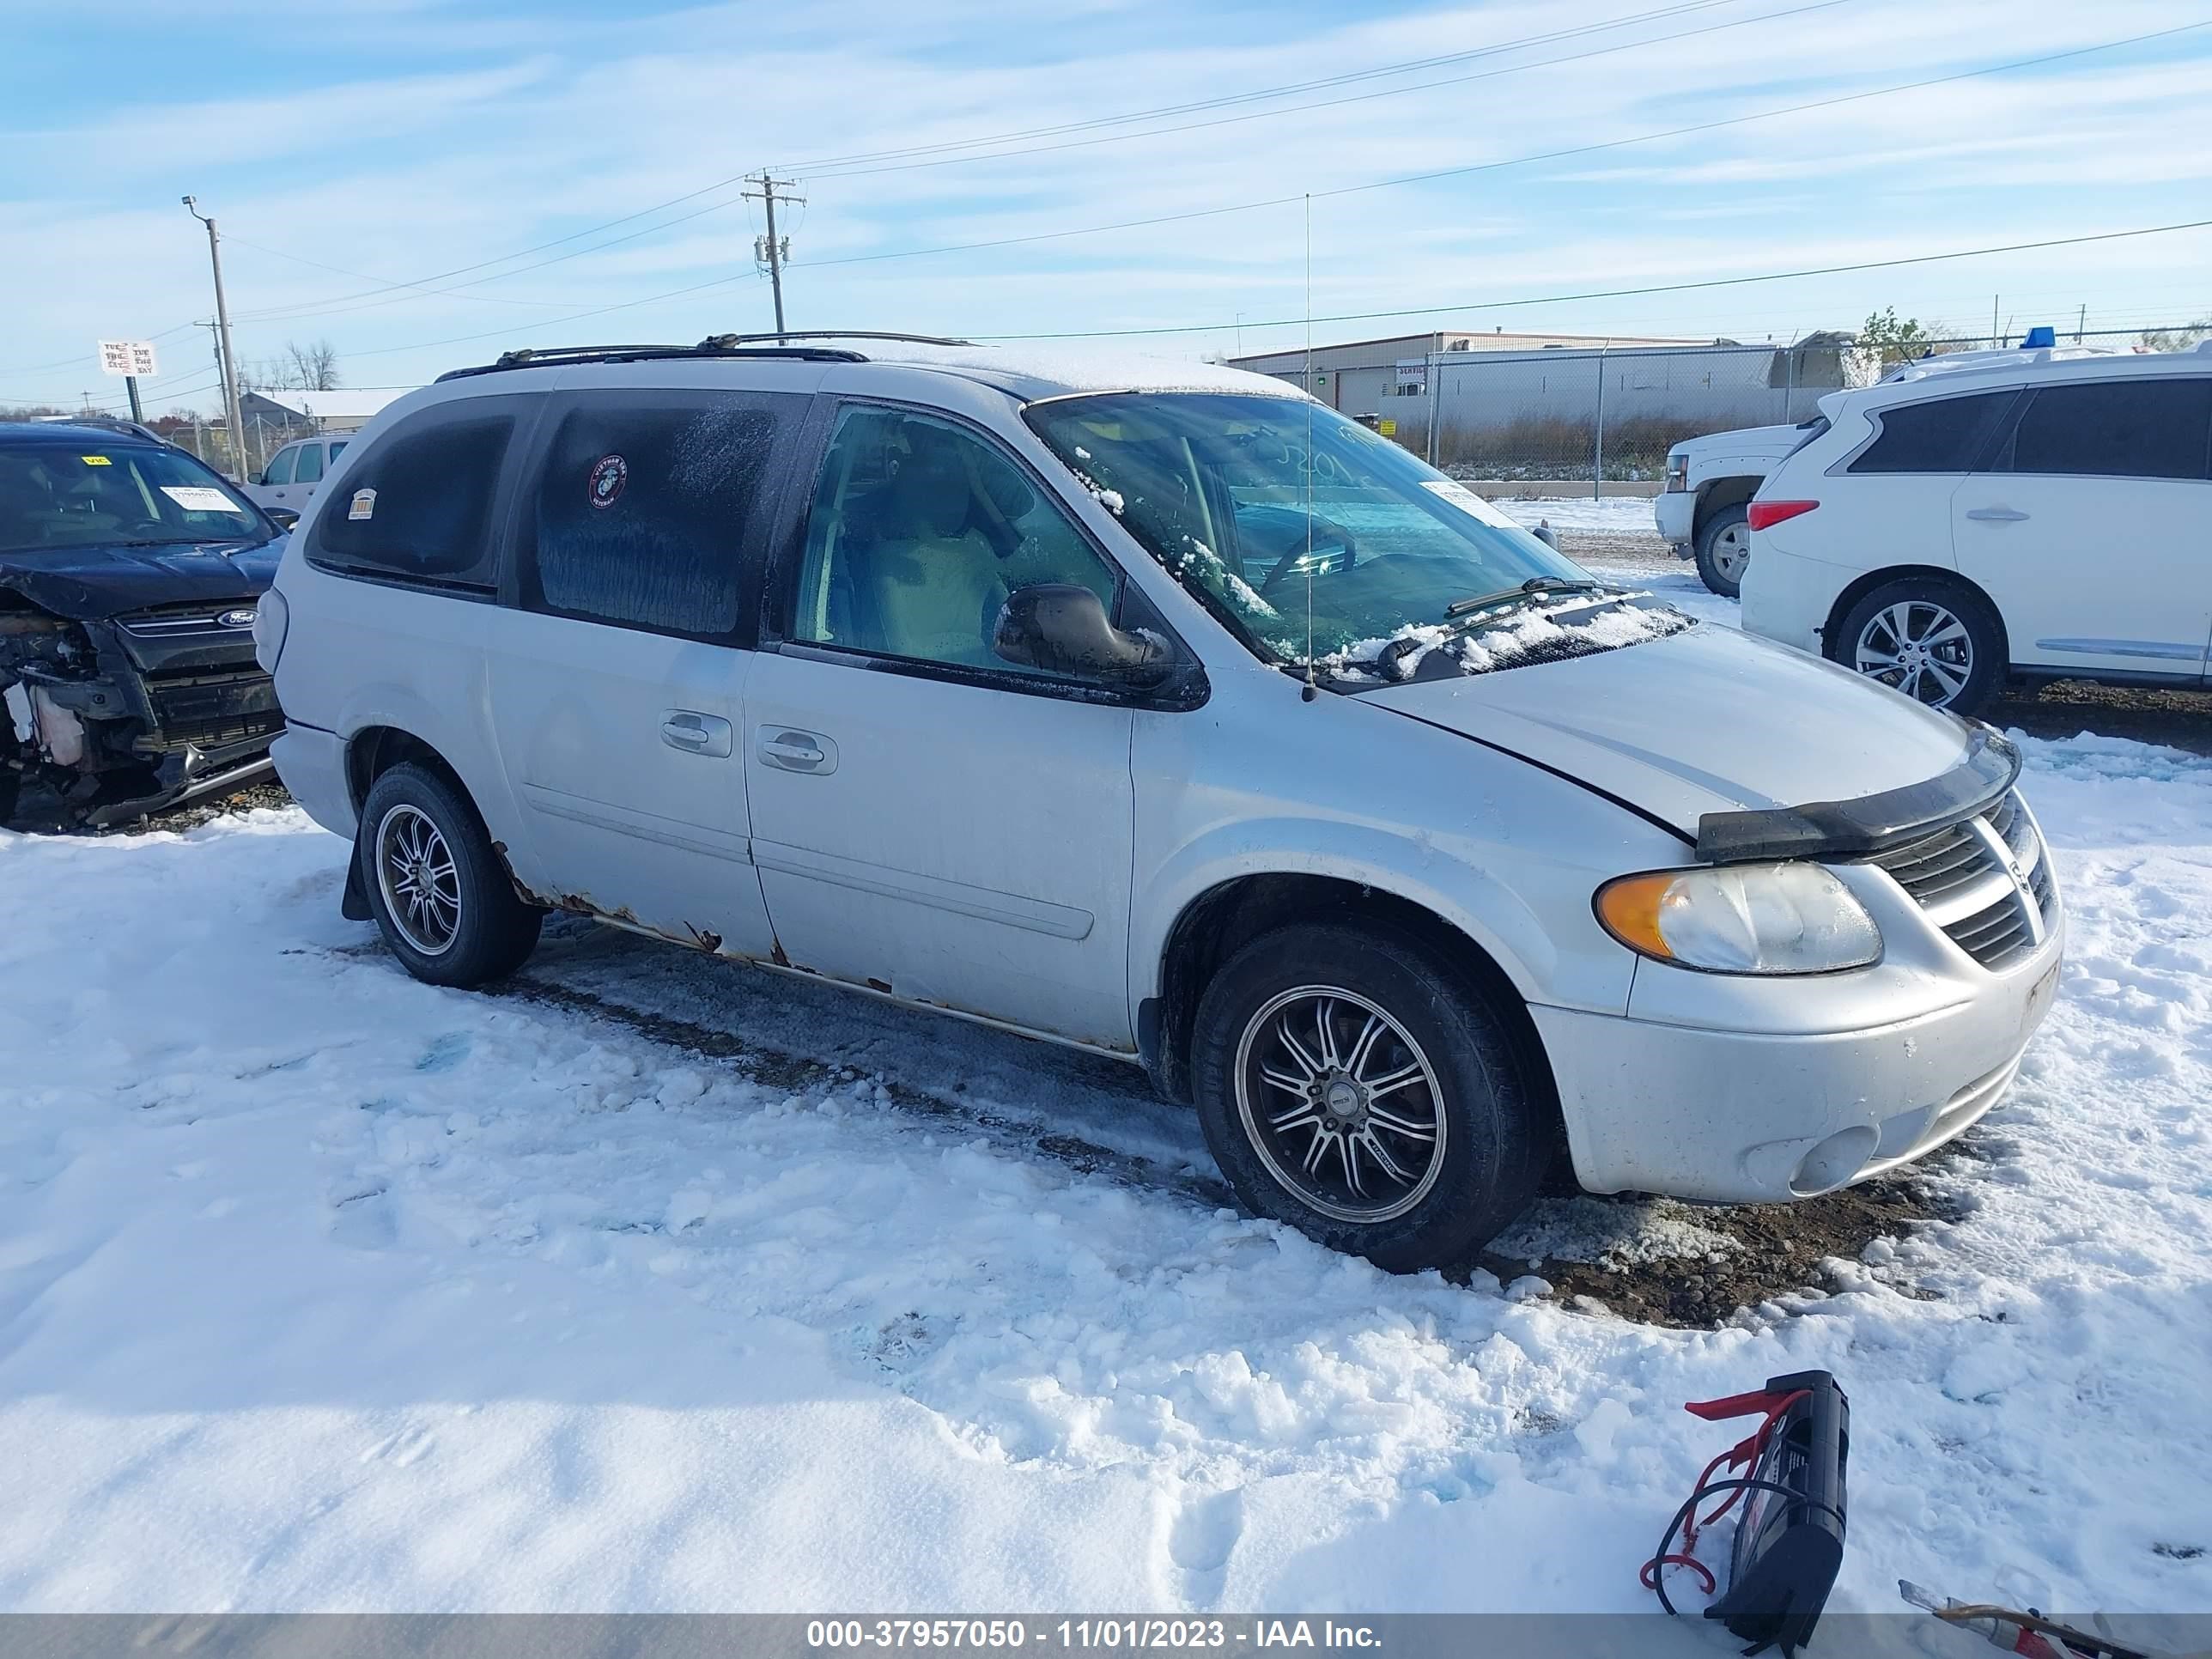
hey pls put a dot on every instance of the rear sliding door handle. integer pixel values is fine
(695, 733)
(1995, 514)
(797, 751)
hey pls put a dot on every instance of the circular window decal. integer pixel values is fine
(609, 474)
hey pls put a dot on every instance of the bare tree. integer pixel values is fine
(2177, 339)
(310, 367)
(314, 366)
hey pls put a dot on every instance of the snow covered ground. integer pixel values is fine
(321, 1289)
(1612, 515)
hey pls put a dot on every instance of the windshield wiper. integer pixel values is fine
(167, 541)
(1534, 588)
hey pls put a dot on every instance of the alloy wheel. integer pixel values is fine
(1340, 1103)
(1732, 551)
(1918, 646)
(421, 888)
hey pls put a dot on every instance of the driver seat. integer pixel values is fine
(930, 586)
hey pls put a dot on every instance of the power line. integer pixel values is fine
(1621, 292)
(339, 307)
(821, 164)
(1333, 103)
(1343, 189)
(1517, 161)
(362, 275)
(818, 166)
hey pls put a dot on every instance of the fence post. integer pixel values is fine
(1789, 385)
(1597, 460)
(1435, 374)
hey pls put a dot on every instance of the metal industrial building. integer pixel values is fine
(1360, 376)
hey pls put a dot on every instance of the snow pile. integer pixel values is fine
(1610, 1234)
(322, 1289)
(1572, 630)
(1612, 516)
(1573, 627)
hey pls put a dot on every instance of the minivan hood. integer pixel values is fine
(91, 584)
(1705, 720)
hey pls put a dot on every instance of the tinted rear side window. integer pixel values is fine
(1943, 434)
(419, 503)
(2141, 428)
(644, 504)
(308, 466)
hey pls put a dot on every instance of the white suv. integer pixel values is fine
(1158, 709)
(2043, 513)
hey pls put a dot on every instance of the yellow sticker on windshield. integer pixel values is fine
(95, 460)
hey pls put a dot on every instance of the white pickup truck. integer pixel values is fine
(1710, 483)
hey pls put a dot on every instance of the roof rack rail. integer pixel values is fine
(719, 346)
(726, 340)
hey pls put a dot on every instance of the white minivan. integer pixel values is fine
(2042, 514)
(1158, 709)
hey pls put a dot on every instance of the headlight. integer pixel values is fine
(1678, 473)
(272, 620)
(1742, 919)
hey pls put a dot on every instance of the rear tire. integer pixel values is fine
(1723, 549)
(1937, 642)
(438, 889)
(1352, 1083)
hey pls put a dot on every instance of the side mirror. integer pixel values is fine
(1061, 628)
(283, 517)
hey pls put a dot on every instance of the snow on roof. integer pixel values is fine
(339, 404)
(1047, 371)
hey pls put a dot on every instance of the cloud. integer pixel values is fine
(454, 138)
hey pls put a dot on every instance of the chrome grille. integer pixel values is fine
(1986, 881)
(170, 621)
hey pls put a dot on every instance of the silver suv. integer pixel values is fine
(1158, 709)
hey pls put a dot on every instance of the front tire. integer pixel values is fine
(1353, 1084)
(11, 781)
(1934, 640)
(1723, 549)
(437, 887)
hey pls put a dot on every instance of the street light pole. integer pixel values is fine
(228, 358)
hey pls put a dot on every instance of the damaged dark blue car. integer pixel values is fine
(129, 575)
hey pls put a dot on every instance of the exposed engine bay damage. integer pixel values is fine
(121, 714)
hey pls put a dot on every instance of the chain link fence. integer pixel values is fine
(244, 462)
(1603, 418)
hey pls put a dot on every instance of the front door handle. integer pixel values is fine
(695, 733)
(797, 751)
(1995, 514)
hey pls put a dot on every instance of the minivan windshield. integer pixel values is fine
(1258, 501)
(98, 492)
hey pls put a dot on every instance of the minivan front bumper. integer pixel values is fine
(1752, 1117)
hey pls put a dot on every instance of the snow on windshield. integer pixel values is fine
(1266, 508)
(1575, 628)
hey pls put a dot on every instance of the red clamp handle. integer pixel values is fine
(1764, 1403)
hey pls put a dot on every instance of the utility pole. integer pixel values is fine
(226, 357)
(767, 250)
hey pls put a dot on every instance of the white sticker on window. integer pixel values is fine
(198, 498)
(1468, 502)
(364, 505)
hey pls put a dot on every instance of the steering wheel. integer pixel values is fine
(1288, 564)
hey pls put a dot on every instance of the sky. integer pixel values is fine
(425, 184)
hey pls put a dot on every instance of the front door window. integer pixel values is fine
(919, 531)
